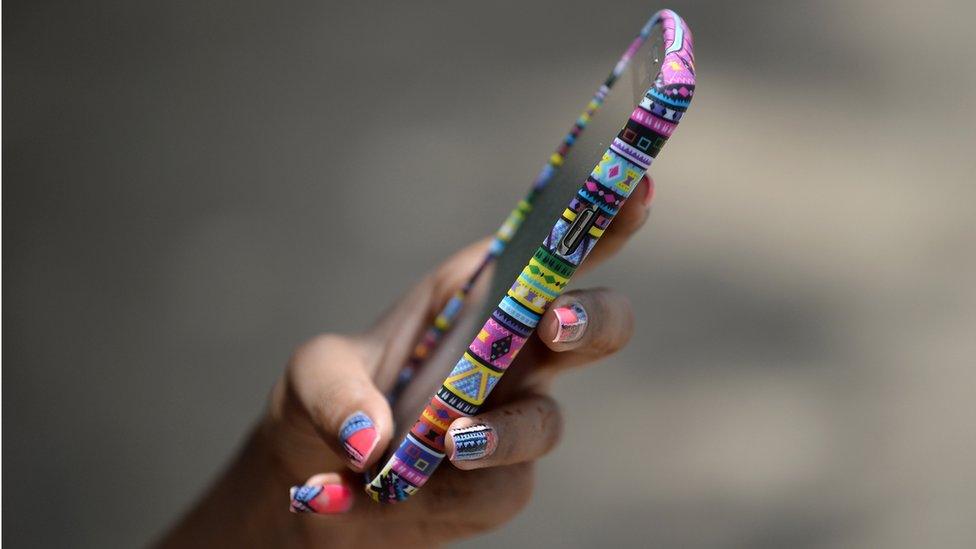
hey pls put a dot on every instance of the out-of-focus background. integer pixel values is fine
(193, 188)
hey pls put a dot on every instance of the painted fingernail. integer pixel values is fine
(572, 322)
(475, 442)
(328, 499)
(649, 194)
(359, 437)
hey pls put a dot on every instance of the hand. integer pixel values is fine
(328, 413)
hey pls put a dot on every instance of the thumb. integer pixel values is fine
(332, 384)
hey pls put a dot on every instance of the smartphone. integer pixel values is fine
(574, 228)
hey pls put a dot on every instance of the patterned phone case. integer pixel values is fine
(547, 273)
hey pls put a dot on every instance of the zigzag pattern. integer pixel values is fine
(547, 273)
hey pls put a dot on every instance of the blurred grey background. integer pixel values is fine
(193, 188)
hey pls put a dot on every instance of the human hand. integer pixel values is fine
(328, 412)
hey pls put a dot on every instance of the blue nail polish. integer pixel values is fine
(475, 442)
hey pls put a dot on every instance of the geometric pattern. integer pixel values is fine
(570, 240)
(431, 427)
(496, 344)
(414, 462)
(527, 294)
(471, 380)
(303, 496)
(538, 270)
(500, 347)
(473, 442)
(617, 173)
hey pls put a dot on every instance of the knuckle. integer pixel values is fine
(316, 349)
(480, 500)
(614, 326)
(631, 220)
(509, 488)
(625, 323)
(550, 422)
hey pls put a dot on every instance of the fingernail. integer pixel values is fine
(328, 499)
(572, 322)
(473, 442)
(649, 193)
(359, 437)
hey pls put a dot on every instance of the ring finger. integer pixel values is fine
(519, 431)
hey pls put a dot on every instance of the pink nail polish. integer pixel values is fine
(571, 323)
(359, 437)
(328, 499)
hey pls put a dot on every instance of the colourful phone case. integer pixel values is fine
(547, 273)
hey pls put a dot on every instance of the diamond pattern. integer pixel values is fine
(500, 347)
(548, 278)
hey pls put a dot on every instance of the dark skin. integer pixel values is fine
(331, 376)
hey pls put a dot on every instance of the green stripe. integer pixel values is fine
(554, 263)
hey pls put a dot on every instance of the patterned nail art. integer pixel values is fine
(572, 322)
(473, 442)
(325, 500)
(358, 436)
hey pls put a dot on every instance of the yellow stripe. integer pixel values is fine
(436, 420)
(552, 287)
(522, 299)
(482, 388)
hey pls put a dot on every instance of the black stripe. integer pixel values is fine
(511, 323)
(481, 360)
(657, 140)
(418, 440)
(456, 402)
(554, 263)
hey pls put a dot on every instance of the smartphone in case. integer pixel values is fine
(519, 289)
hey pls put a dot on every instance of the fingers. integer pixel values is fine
(520, 431)
(425, 299)
(335, 391)
(399, 330)
(466, 502)
(587, 324)
(429, 295)
(324, 494)
(629, 219)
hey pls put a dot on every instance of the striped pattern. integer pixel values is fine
(572, 237)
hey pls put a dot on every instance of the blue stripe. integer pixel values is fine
(598, 201)
(679, 35)
(536, 285)
(519, 312)
(654, 95)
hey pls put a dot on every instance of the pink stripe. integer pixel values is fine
(648, 120)
(412, 475)
(634, 46)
